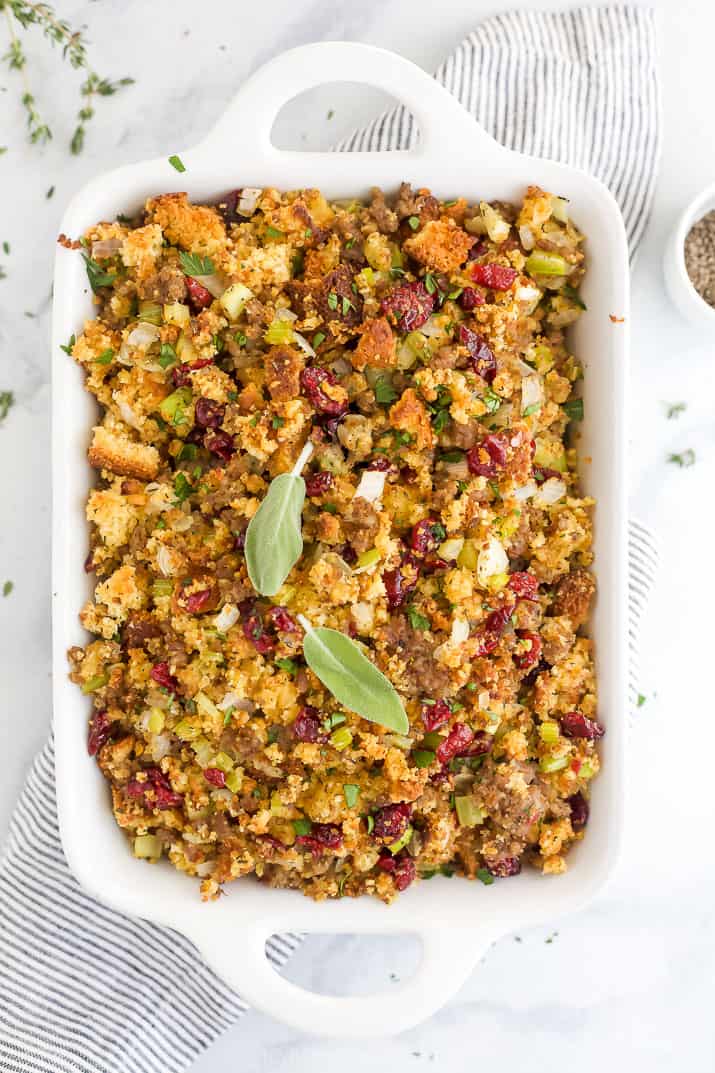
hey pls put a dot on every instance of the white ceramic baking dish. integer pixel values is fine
(455, 919)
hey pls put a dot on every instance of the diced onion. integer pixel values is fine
(363, 616)
(372, 485)
(460, 631)
(532, 392)
(248, 200)
(160, 746)
(526, 491)
(213, 284)
(233, 700)
(450, 548)
(106, 247)
(526, 237)
(497, 227)
(304, 345)
(165, 560)
(286, 314)
(126, 412)
(527, 294)
(340, 367)
(226, 618)
(143, 335)
(492, 559)
(550, 492)
(205, 704)
(458, 470)
(522, 368)
(205, 868)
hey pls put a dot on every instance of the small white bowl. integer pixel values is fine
(681, 289)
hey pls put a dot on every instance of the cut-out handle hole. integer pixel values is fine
(320, 118)
(349, 965)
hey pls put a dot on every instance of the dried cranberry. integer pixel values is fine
(136, 789)
(203, 600)
(477, 250)
(307, 725)
(507, 866)
(488, 456)
(408, 306)
(469, 299)
(436, 715)
(423, 538)
(381, 464)
(542, 473)
(481, 744)
(329, 835)
(348, 553)
(100, 731)
(391, 821)
(162, 675)
(577, 725)
(524, 585)
(528, 659)
(329, 427)
(198, 295)
(208, 413)
(398, 585)
(273, 845)
(215, 776)
(317, 484)
(483, 361)
(228, 206)
(494, 626)
(401, 868)
(312, 380)
(407, 474)
(579, 811)
(180, 373)
(456, 743)
(253, 629)
(221, 444)
(282, 619)
(157, 781)
(498, 277)
(310, 843)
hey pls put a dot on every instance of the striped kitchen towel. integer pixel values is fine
(88, 990)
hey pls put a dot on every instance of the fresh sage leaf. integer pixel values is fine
(274, 541)
(352, 679)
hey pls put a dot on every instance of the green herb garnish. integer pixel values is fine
(105, 357)
(67, 347)
(274, 538)
(416, 620)
(7, 588)
(332, 300)
(684, 459)
(7, 400)
(675, 409)
(96, 275)
(414, 222)
(302, 827)
(182, 487)
(177, 163)
(287, 665)
(194, 264)
(385, 394)
(167, 356)
(485, 876)
(273, 232)
(573, 409)
(318, 338)
(351, 794)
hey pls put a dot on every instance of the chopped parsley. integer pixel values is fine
(302, 827)
(675, 409)
(485, 876)
(332, 300)
(384, 391)
(318, 338)
(414, 222)
(574, 409)
(50, 192)
(7, 400)
(278, 422)
(167, 355)
(105, 357)
(273, 232)
(416, 620)
(177, 163)
(451, 456)
(641, 700)
(194, 264)
(287, 665)
(572, 293)
(96, 275)
(240, 339)
(7, 588)
(491, 400)
(684, 459)
(347, 306)
(182, 487)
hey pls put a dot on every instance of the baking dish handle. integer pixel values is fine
(448, 958)
(247, 122)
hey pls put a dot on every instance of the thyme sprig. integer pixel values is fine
(26, 13)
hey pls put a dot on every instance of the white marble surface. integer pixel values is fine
(627, 983)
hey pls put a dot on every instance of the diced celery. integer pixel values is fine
(155, 722)
(277, 806)
(223, 761)
(148, 847)
(497, 582)
(543, 358)
(423, 757)
(468, 556)
(163, 586)
(547, 764)
(586, 771)
(234, 780)
(402, 841)
(173, 407)
(149, 312)
(187, 731)
(468, 813)
(550, 454)
(433, 740)
(559, 209)
(204, 752)
(341, 738)
(234, 299)
(177, 313)
(449, 549)
(94, 683)
(549, 732)
(366, 560)
(279, 333)
(207, 706)
(543, 263)
(185, 349)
